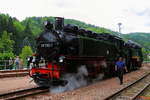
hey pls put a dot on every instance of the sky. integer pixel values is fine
(133, 14)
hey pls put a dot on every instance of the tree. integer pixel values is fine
(1, 45)
(3, 23)
(28, 35)
(6, 44)
(26, 51)
(17, 36)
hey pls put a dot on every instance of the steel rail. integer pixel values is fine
(23, 93)
(136, 97)
(11, 71)
(125, 88)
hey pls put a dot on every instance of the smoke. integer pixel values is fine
(74, 81)
(101, 75)
(98, 77)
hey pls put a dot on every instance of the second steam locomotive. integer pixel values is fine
(62, 49)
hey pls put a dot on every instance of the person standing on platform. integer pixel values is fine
(21, 63)
(119, 67)
(17, 62)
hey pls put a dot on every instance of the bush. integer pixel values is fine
(26, 52)
(4, 57)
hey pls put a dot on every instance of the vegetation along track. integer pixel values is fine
(133, 90)
(23, 93)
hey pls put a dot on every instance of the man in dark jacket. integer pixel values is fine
(29, 61)
(119, 67)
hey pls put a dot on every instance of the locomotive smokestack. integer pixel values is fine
(59, 23)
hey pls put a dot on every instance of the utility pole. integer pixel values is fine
(119, 24)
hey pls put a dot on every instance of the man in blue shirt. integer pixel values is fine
(119, 67)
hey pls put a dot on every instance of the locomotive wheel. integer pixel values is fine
(42, 83)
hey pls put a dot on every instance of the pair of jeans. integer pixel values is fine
(120, 75)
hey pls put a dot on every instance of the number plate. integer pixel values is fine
(47, 45)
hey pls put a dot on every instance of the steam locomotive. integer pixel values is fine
(64, 48)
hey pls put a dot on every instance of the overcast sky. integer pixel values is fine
(133, 14)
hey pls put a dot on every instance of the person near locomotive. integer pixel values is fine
(119, 67)
(29, 61)
(17, 61)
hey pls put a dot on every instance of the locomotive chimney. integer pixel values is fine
(59, 23)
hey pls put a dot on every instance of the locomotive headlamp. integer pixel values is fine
(61, 59)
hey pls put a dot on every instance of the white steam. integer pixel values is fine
(74, 81)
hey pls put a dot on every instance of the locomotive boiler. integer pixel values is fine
(62, 49)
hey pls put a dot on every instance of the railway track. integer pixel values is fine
(13, 73)
(138, 96)
(23, 93)
(133, 90)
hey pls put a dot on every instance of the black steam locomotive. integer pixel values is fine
(64, 48)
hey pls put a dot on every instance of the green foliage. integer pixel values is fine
(4, 21)
(6, 44)
(6, 56)
(26, 51)
(1, 46)
(7, 24)
(28, 34)
(145, 54)
(141, 38)
(18, 26)
(37, 23)
(93, 28)
(17, 36)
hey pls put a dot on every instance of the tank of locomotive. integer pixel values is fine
(48, 45)
(54, 43)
